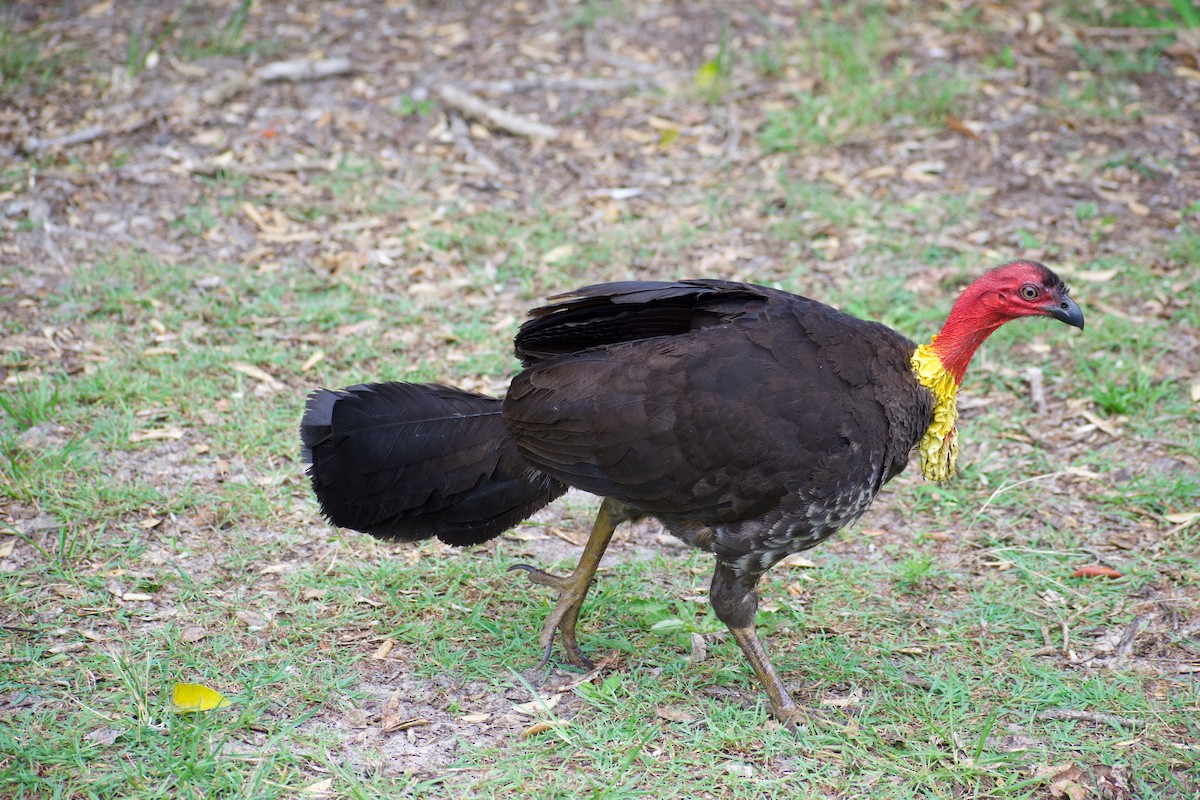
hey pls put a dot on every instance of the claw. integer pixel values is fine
(541, 576)
(573, 588)
(565, 614)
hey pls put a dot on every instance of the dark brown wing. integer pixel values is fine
(710, 401)
(611, 313)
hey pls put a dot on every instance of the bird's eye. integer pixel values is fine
(1030, 292)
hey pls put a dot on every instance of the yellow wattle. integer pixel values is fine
(939, 445)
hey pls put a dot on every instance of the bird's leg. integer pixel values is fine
(573, 588)
(735, 603)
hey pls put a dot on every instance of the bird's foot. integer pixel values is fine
(562, 619)
(796, 718)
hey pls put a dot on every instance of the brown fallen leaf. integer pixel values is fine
(558, 254)
(384, 649)
(543, 726)
(156, 434)
(392, 713)
(1096, 571)
(882, 171)
(1096, 275)
(542, 703)
(253, 620)
(923, 171)
(852, 699)
(1069, 789)
(273, 223)
(675, 714)
(836, 178)
(104, 737)
(193, 633)
(258, 374)
(312, 361)
(321, 788)
(963, 127)
(404, 725)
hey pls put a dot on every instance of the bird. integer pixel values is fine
(750, 422)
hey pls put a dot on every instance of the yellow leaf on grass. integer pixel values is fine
(707, 75)
(192, 697)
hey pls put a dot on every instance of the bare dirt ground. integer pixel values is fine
(125, 162)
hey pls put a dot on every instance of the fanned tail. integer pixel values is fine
(410, 461)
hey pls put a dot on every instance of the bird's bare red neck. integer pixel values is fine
(970, 322)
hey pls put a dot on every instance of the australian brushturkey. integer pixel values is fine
(750, 422)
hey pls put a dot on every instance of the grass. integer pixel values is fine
(923, 666)
(918, 690)
(853, 93)
(192, 35)
(1177, 14)
(161, 530)
(23, 60)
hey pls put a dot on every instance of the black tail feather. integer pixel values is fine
(410, 461)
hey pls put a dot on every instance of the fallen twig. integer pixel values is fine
(462, 138)
(82, 136)
(1136, 33)
(304, 70)
(1090, 716)
(211, 167)
(471, 105)
(557, 84)
(1128, 637)
(272, 167)
(297, 71)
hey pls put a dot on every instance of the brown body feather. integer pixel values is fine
(751, 422)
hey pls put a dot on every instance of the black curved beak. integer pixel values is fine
(1066, 310)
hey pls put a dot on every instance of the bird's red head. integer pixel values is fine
(1017, 289)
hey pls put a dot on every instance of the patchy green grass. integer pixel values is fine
(192, 35)
(931, 675)
(160, 530)
(853, 92)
